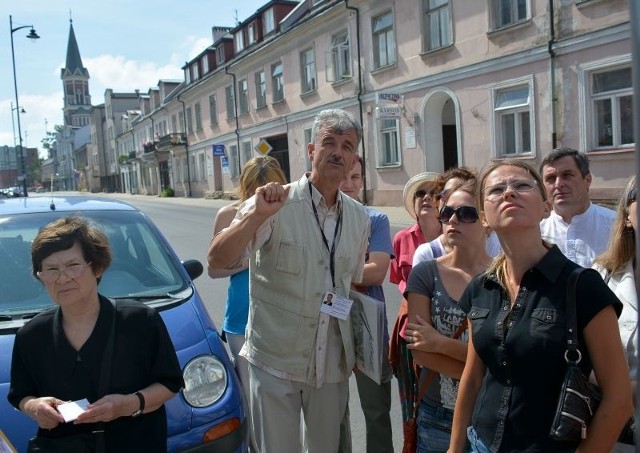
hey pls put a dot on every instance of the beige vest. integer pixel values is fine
(287, 283)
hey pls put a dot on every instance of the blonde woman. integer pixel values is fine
(617, 265)
(255, 173)
(515, 365)
(436, 331)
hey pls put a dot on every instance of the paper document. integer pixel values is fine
(367, 322)
(72, 409)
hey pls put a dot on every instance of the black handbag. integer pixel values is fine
(90, 442)
(579, 399)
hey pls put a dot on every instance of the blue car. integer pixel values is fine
(208, 414)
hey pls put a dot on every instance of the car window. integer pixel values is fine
(142, 263)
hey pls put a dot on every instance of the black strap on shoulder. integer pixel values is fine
(573, 353)
(105, 377)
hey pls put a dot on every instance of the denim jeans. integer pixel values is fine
(477, 446)
(434, 428)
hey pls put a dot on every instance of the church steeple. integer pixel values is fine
(75, 81)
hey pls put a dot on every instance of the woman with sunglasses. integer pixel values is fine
(436, 331)
(515, 362)
(617, 265)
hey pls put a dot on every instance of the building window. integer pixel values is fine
(251, 31)
(513, 120)
(384, 43)
(189, 121)
(247, 151)
(243, 96)
(341, 56)
(220, 54)
(198, 114)
(238, 39)
(508, 12)
(261, 90)
(437, 24)
(199, 169)
(233, 161)
(213, 109)
(307, 140)
(308, 71)
(277, 83)
(205, 64)
(268, 21)
(194, 69)
(389, 142)
(181, 122)
(611, 94)
(231, 102)
(187, 75)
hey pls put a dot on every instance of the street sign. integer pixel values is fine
(389, 97)
(389, 112)
(218, 150)
(263, 147)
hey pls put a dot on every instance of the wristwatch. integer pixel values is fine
(141, 409)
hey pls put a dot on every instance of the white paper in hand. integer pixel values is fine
(72, 409)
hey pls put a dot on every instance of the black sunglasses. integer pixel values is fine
(465, 214)
(631, 197)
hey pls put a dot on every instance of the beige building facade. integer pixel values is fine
(436, 84)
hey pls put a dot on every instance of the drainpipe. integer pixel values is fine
(235, 107)
(186, 145)
(552, 63)
(131, 173)
(360, 92)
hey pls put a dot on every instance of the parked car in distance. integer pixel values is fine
(208, 414)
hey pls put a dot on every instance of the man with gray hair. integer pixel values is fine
(304, 240)
(580, 228)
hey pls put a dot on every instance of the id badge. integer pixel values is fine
(335, 305)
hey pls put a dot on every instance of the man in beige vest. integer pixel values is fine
(304, 240)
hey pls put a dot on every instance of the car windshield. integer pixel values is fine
(142, 266)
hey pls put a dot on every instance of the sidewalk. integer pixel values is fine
(398, 217)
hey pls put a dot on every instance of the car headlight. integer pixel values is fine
(205, 381)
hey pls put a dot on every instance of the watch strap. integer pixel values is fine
(141, 408)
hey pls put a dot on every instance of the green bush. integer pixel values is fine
(167, 192)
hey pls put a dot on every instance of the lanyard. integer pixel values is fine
(332, 250)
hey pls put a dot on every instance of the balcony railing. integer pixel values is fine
(169, 140)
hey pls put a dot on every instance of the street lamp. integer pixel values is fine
(13, 123)
(32, 35)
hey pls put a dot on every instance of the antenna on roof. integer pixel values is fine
(236, 16)
(70, 18)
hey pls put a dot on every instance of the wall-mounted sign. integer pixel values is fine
(218, 150)
(263, 147)
(388, 97)
(388, 112)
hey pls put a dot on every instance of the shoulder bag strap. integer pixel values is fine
(432, 374)
(572, 318)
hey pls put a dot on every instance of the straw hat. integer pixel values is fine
(412, 186)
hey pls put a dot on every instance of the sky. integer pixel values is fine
(124, 44)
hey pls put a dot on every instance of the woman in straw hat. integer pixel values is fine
(421, 203)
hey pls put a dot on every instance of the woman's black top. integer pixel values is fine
(523, 350)
(45, 364)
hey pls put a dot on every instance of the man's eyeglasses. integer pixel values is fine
(495, 192)
(631, 197)
(71, 271)
(465, 214)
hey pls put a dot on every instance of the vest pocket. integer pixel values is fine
(290, 258)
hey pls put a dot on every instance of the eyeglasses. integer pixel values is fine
(631, 197)
(420, 193)
(71, 271)
(495, 192)
(465, 214)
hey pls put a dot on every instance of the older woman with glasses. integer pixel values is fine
(437, 326)
(515, 362)
(617, 265)
(58, 356)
